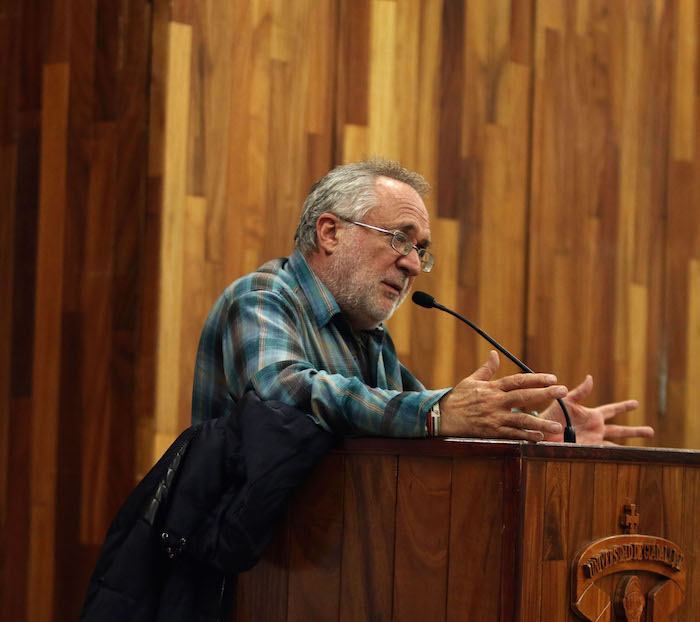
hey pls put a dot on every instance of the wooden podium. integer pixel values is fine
(481, 531)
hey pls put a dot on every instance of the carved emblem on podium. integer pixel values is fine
(628, 578)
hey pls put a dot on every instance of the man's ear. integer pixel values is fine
(327, 232)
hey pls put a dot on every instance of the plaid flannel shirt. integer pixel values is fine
(279, 331)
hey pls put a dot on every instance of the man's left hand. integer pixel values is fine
(591, 424)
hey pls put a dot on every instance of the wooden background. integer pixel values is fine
(153, 151)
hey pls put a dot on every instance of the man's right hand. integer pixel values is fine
(479, 407)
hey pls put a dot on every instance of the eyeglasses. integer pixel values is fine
(402, 244)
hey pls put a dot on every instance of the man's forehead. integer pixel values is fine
(400, 207)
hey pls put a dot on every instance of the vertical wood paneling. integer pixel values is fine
(72, 137)
(690, 510)
(263, 591)
(604, 513)
(692, 389)
(561, 138)
(476, 532)
(316, 533)
(47, 340)
(600, 220)
(535, 474)
(172, 236)
(421, 566)
(368, 534)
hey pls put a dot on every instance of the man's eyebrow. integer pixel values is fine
(410, 228)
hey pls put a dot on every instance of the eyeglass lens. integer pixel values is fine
(403, 245)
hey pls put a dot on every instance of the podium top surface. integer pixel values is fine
(463, 447)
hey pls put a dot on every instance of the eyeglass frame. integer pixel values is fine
(422, 252)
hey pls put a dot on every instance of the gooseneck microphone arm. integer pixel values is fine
(426, 300)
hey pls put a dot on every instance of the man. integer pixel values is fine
(309, 331)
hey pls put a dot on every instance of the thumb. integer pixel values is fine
(582, 391)
(488, 369)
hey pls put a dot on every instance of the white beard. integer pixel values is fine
(356, 290)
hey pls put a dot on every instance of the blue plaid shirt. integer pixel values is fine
(279, 331)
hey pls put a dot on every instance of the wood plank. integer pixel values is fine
(651, 501)
(692, 363)
(598, 127)
(316, 544)
(681, 244)
(383, 120)
(354, 61)
(171, 293)
(10, 47)
(672, 499)
(33, 32)
(422, 539)
(476, 537)
(47, 341)
(452, 89)
(532, 547)
(685, 77)
(96, 348)
(581, 502)
(25, 258)
(130, 322)
(195, 271)
(69, 587)
(56, 46)
(444, 333)
(555, 595)
(144, 398)
(556, 512)
(691, 524)
(366, 585)
(8, 160)
(605, 511)
(15, 534)
(261, 594)
(107, 59)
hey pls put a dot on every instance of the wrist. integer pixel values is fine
(433, 420)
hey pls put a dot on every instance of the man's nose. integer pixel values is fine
(410, 262)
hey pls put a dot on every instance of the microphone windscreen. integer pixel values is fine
(424, 300)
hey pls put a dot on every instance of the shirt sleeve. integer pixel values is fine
(263, 349)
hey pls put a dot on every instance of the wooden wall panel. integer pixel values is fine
(476, 535)
(421, 562)
(237, 111)
(601, 269)
(73, 166)
(152, 152)
(449, 96)
(369, 533)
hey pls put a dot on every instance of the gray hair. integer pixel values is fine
(348, 192)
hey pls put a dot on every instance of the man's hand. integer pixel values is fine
(590, 423)
(479, 407)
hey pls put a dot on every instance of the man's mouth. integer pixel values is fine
(398, 288)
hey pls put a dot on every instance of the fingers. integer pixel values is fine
(515, 426)
(525, 381)
(618, 432)
(611, 410)
(533, 399)
(582, 391)
(488, 369)
(525, 422)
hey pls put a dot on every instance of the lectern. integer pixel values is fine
(485, 531)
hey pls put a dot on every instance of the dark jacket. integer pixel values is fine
(202, 514)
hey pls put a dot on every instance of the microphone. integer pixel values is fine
(426, 300)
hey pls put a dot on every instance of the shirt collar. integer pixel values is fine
(321, 301)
